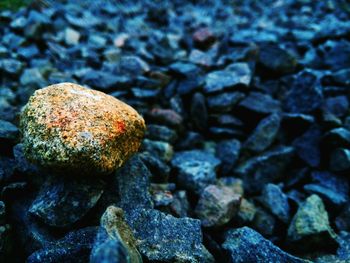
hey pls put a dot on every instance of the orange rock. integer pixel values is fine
(71, 128)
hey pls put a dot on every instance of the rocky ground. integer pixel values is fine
(246, 156)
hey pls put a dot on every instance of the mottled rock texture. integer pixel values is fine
(68, 127)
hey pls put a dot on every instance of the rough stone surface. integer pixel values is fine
(115, 241)
(276, 201)
(265, 168)
(264, 134)
(246, 245)
(217, 205)
(310, 225)
(196, 169)
(168, 239)
(68, 127)
(62, 202)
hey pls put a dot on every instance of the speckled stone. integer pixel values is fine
(71, 128)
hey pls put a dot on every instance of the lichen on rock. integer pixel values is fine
(67, 127)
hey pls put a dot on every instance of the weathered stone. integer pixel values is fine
(264, 134)
(332, 188)
(260, 103)
(217, 205)
(168, 239)
(276, 202)
(74, 247)
(115, 241)
(228, 152)
(246, 245)
(307, 146)
(276, 60)
(265, 168)
(339, 160)
(68, 127)
(196, 169)
(306, 94)
(63, 201)
(310, 226)
(233, 75)
(8, 131)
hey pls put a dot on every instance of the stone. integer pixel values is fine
(264, 222)
(339, 160)
(264, 134)
(161, 149)
(217, 205)
(246, 212)
(28, 52)
(184, 69)
(103, 80)
(310, 226)
(161, 197)
(198, 111)
(115, 241)
(196, 169)
(276, 202)
(224, 102)
(204, 59)
(305, 96)
(32, 77)
(264, 168)
(238, 74)
(228, 152)
(11, 66)
(166, 117)
(260, 103)
(338, 106)
(332, 188)
(159, 169)
(74, 247)
(132, 66)
(130, 190)
(342, 77)
(307, 146)
(338, 137)
(276, 60)
(180, 205)
(8, 131)
(71, 36)
(61, 201)
(68, 127)
(160, 133)
(168, 239)
(342, 221)
(246, 245)
(203, 38)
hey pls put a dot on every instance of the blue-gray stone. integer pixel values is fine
(276, 202)
(244, 245)
(196, 169)
(332, 188)
(264, 134)
(307, 146)
(305, 95)
(62, 202)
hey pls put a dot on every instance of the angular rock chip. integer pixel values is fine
(310, 226)
(115, 241)
(217, 205)
(246, 245)
(62, 202)
(197, 169)
(164, 238)
(68, 127)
